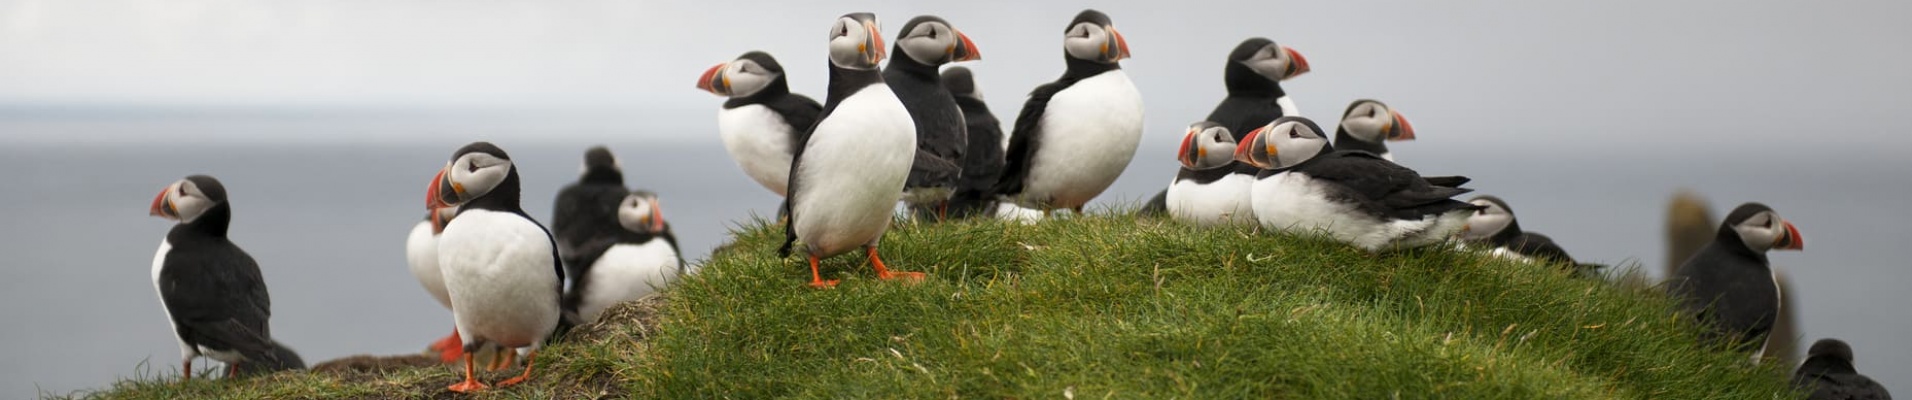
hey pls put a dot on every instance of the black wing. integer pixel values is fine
(217, 298)
(1025, 137)
(1157, 206)
(1384, 189)
(798, 111)
(1540, 247)
(584, 212)
(1447, 181)
(982, 164)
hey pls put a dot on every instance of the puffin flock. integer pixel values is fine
(916, 133)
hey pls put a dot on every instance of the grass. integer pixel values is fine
(1106, 307)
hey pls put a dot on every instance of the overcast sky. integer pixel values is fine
(1686, 71)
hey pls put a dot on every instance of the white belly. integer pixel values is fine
(853, 171)
(502, 278)
(627, 272)
(1296, 203)
(421, 254)
(1009, 211)
(1288, 108)
(1224, 201)
(759, 141)
(1089, 135)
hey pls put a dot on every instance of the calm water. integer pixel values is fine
(327, 223)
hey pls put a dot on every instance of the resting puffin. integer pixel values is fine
(1352, 196)
(211, 290)
(926, 43)
(983, 162)
(638, 259)
(1253, 76)
(500, 267)
(1494, 225)
(1728, 285)
(1207, 191)
(849, 175)
(762, 124)
(587, 209)
(1828, 375)
(1368, 125)
(1074, 136)
(421, 254)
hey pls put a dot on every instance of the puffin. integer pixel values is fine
(210, 289)
(1207, 192)
(638, 259)
(1828, 374)
(845, 180)
(421, 255)
(1494, 225)
(1253, 75)
(983, 161)
(1368, 125)
(1074, 136)
(763, 123)
(1351, 196)
(1728, 285)
(942, 138)
(284, 359)
(501, 267)
(586, 209)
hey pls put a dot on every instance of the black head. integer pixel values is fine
(960, 82)
(641, 212)
(1758, 228)
(1092, 37)
(930, 41)
(1268, 61)
(1492, 219)
(1374, 122)
(599, 157)
(1285, 142)
(1835, 348)
(751, 74)
(188, 199)
(856, 42)
(474, 171)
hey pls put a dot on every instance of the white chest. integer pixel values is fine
(421, 254)
(759, 140)
(1089, 134)
(627, 272)
(1226, 200)
(501, 276)
(853, 170)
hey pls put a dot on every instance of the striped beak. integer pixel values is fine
(1792, 240)
(715, 81)
(163, 207)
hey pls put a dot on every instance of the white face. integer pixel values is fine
(930, 43)
(1764, 231)
(855, 45)
(1368, 121)
(1207, 146)
(1092, 42)
(1276, 63)
(745, 77)
(475, 174)
(640, 213)
(1486, 222)
(183, 202)
(1290, 143)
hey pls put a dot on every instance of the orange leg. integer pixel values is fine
(530, 360)
(186, 367)
(449, 349)
(471, 383)
(942, 212)
(816, 279)
(503, 360)
(232, 370)
(883, 272)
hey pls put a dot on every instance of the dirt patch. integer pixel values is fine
(637, 319)
(370, 364)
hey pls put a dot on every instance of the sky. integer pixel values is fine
(1496, 72)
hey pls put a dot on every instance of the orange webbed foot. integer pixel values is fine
(823, 284)
(514, 381)
(905, 277)
(467, 386)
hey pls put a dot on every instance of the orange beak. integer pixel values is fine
(715, 81)
(161, 207)
(1792, 240)
(657, 215)
(1244, 150)
(1121, 46)
(1299, 66)
(1402, 130)
(1183, 155)
(965, 49)
(875, 49)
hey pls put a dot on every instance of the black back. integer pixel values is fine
(940, 132)
(1251, 97)
(1027, 135)
(798, 111)
(1828, 374)
(284, 360)
(843, 84)
(587, 209)
(1729, 288)
(1379, 188)
(212, 290)
(983, 163)
(591, 251)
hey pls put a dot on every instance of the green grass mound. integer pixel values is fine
(1106, 307)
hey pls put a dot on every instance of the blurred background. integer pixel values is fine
(324, 118)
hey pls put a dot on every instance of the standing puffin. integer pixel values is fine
(1253, 76)
(926, 43)
(1076, 135)
(1728, 285)
(849, 175)
(211, 290)
(1368, 124)
(1494, 225)
(1352, 196)
(1828, 375)
(587, 209)
(762, 124)
(421, 254)
(500, 266)
(633, 262)
(983, 162)
(1207, 191)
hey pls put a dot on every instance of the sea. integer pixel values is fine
(326, 211)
